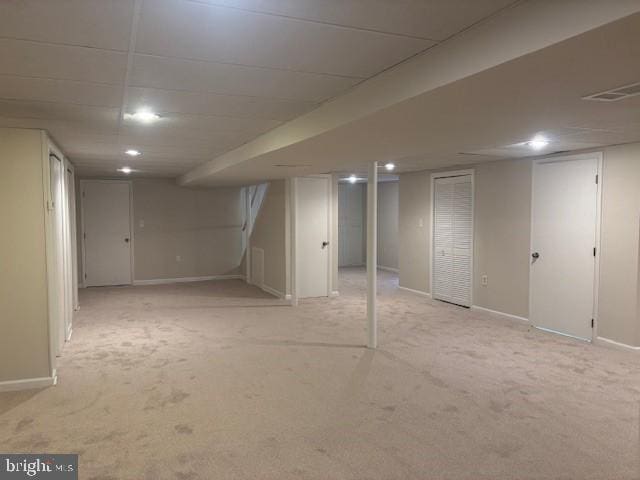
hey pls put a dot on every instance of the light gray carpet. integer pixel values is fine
(216, 380)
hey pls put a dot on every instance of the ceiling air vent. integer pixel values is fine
(616, 94)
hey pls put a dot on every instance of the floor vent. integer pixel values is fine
(615, 94)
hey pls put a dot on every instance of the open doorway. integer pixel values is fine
(352, 231)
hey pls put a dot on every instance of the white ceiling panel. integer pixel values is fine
(204, 32)
(96, 117)
(32, 59)
(218, 140)
(430, 19)
(213, 104)
(208, 124)
(91, 23)
(195, 76)
(59, 91)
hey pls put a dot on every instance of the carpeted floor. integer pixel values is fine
(217, 380)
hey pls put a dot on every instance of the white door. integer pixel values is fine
(351, 224)
(106, 213)
(453, 239)
(58, 296)
(563, 240)
(312, 237)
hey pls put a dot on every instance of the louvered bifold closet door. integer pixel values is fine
(453, 239)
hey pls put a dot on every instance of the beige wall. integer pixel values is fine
(24, 343)
(413, 223)
(619, 311)
(201, 226)
(388, 224)
(269, 234)
(502, 225)
(502, 238)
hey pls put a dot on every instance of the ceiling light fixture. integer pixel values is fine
(390, 167)
(142, 116)
(538, 142)
(125, 170)
(133, 153)
(353, 179)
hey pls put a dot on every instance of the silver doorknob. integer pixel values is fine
(535, 255)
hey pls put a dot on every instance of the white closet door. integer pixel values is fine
(453, 239)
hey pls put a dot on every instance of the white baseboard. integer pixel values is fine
(418, 292)
(28, 383)
(496, 313)
(288, 297)
(271, 290)
(335, 293)
(164, 281)
(605, 342)
(388, 269)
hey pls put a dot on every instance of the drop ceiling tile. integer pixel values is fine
(92, 117)
(31, 59)
(195, 76)
(172, 122)
(204, 32)
(91, 23)
(213, 104)
(432, 19)
(59, 91)
(221, 140)
(116, 146)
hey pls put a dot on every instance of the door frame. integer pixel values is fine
(598, 156)
(431, 254)
(83, 182)
(294, 191)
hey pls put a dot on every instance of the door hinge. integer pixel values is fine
(593, 323)
(594, 251)
(597, 178)
(84, 235)
(85, 275)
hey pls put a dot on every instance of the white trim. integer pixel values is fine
(606, 342)
(447, 174)
(28, 383)
(389, 269)
(497, 313)
(271, 290)
(334, 293)
(417, 292)
(164, 281)
(596, 281)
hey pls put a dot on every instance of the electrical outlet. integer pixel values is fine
(484, 280)
(178, 258)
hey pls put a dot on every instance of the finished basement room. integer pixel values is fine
(320, 239)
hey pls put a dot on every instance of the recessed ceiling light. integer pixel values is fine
(353, 179)
(538, 142)
(142, 116)
(390, 166)
(125, 170)
(133, 153)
